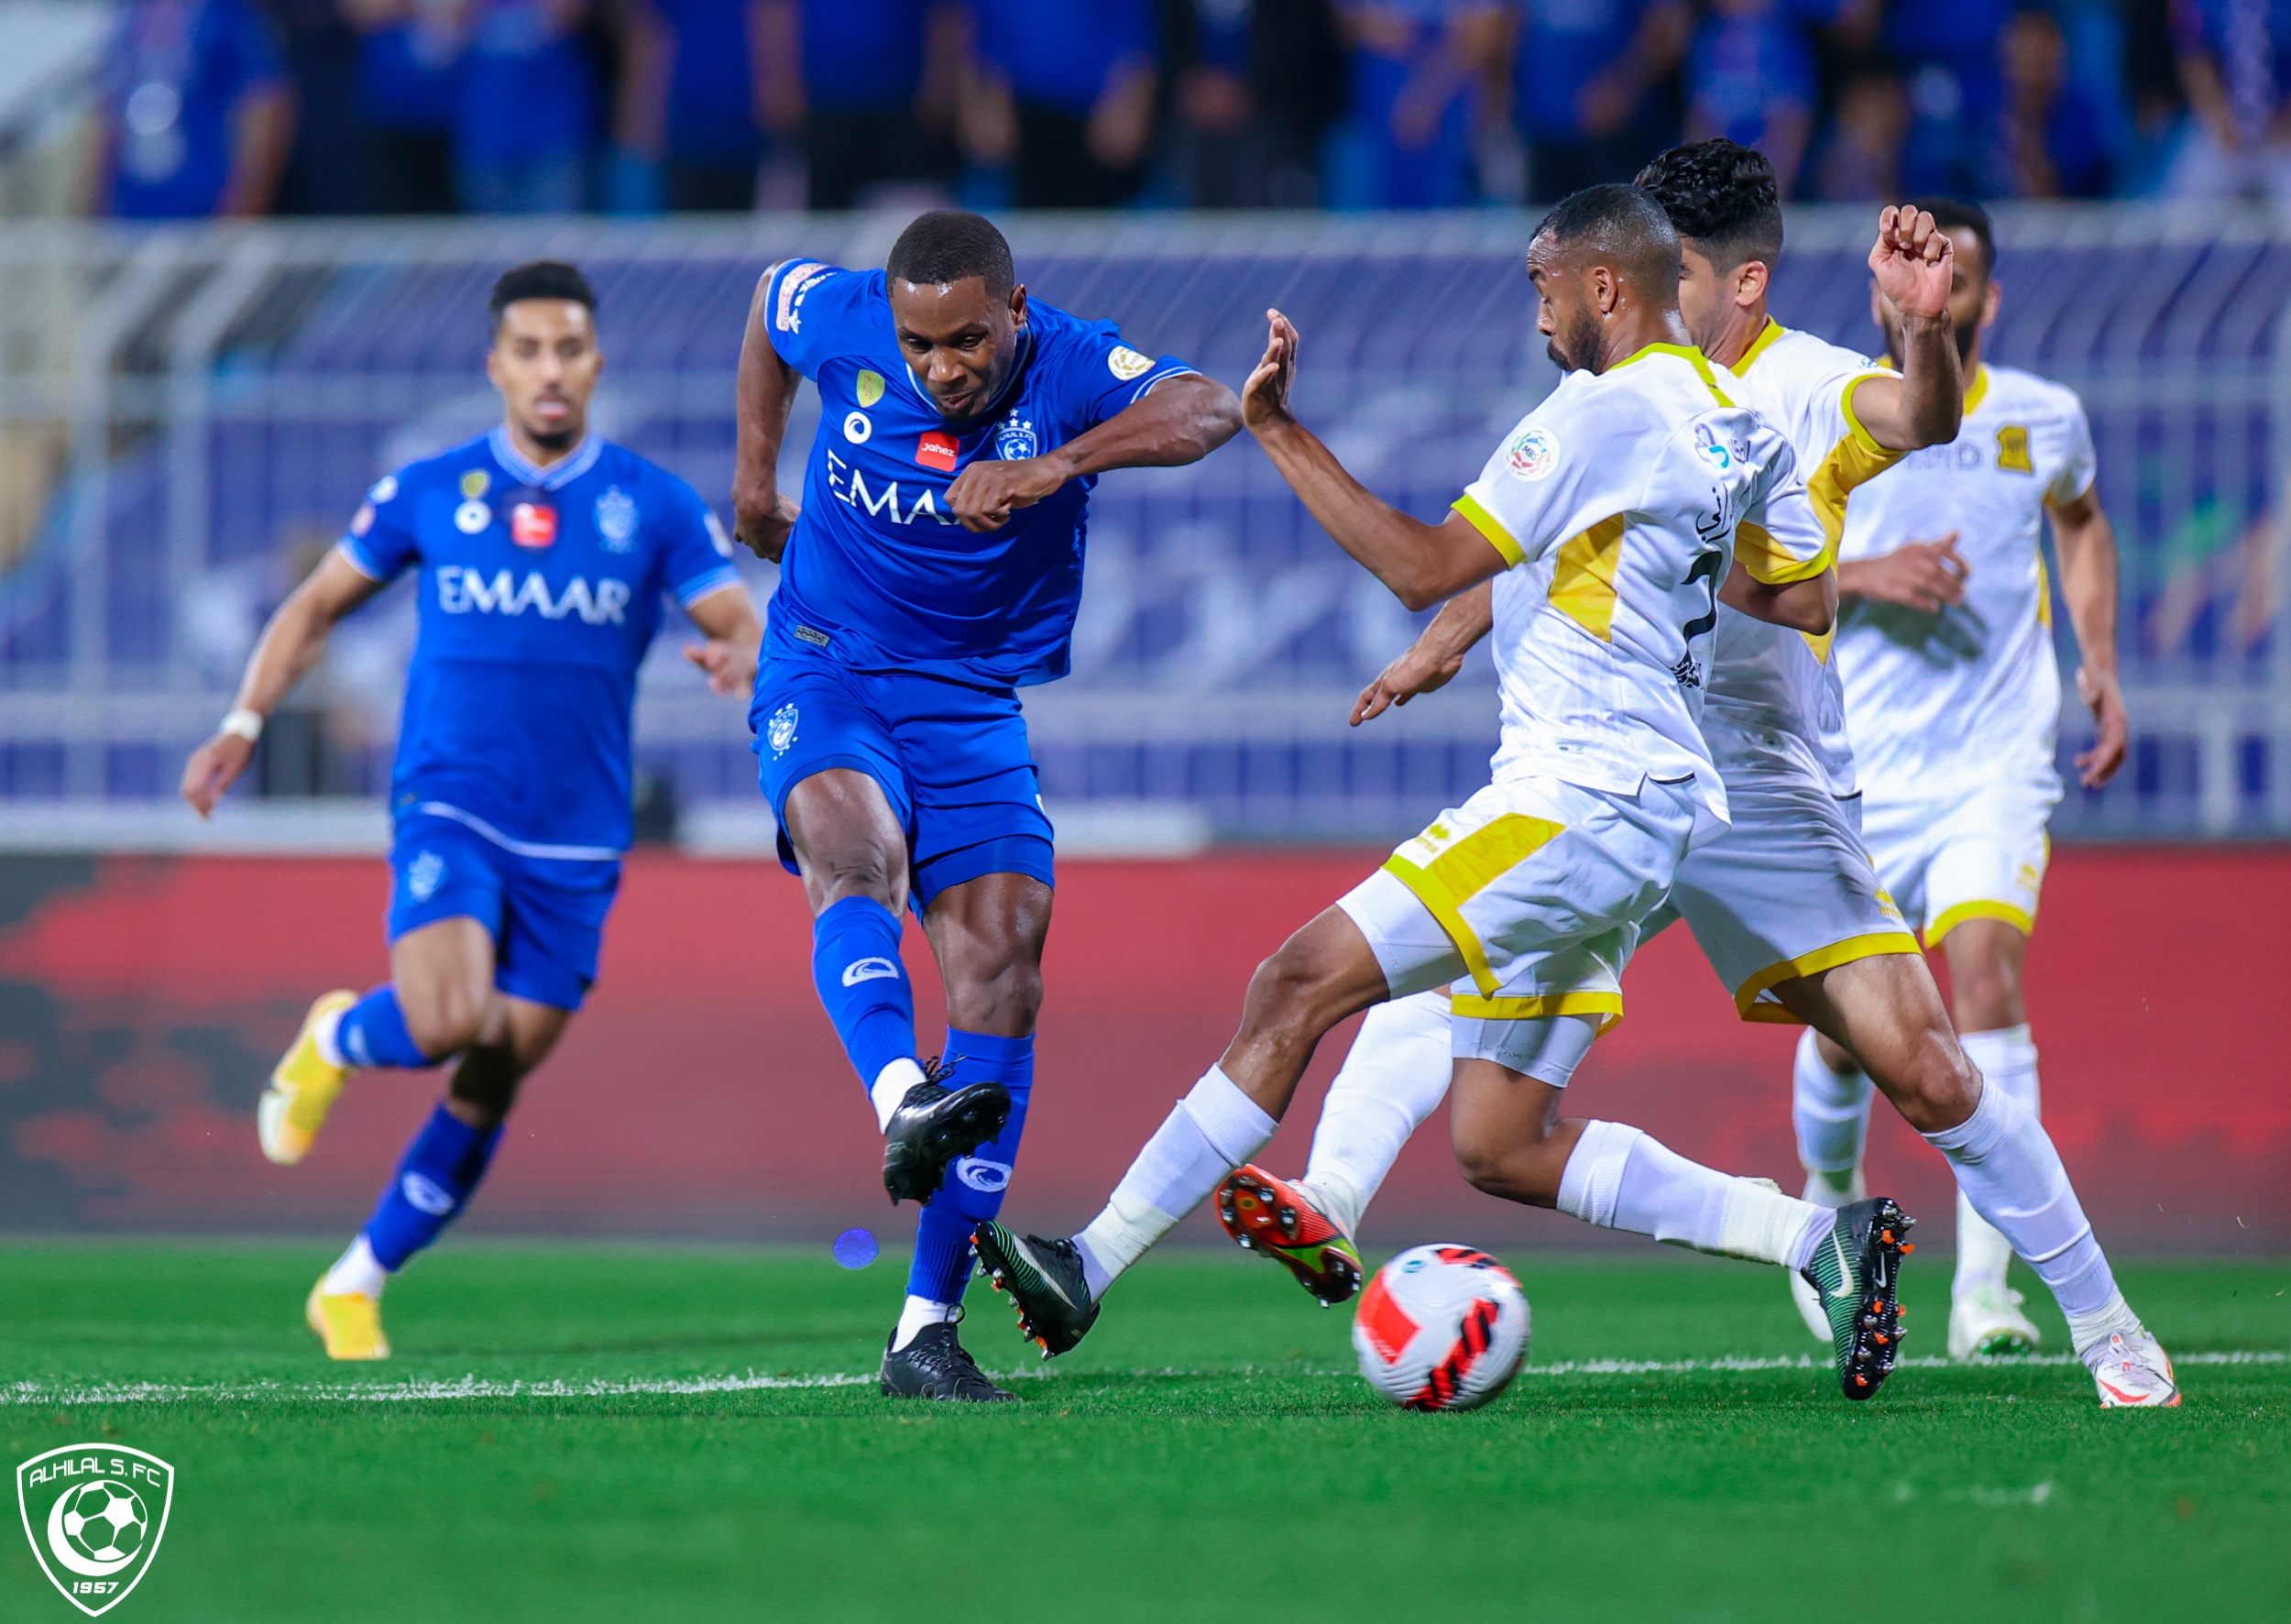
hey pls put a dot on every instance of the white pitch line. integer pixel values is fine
(470, 1388)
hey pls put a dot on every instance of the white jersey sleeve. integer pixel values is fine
(2076, 464)
(1775, 699)
(1537, 488)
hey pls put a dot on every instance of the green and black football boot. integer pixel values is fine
(1045, 1283)
(935, 1126)
(1857, 1272)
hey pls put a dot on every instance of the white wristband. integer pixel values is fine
(243, 723)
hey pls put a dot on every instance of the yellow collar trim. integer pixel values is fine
(1980, 391)
(1758, 345)
(1685, 352)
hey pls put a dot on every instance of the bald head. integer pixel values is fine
(1605, 261)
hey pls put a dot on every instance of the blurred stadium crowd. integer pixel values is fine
(636, 106)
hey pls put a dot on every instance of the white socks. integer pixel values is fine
(1618, 1177)
(1831, 1112)
(919, 1312)
(890, 1089)
(2008, 1060)
(2089, 1332)
(1397, 1073)
(327, 1036)
(357, 1270)
(1212, 1130)
(2005, 1161)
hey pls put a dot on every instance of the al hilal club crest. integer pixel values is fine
(94, 1513)
(616, 520)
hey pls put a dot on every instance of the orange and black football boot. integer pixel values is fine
(1276, 1218)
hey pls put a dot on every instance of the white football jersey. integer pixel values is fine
(1935, 703)
(1774, 692)
(1619, 503)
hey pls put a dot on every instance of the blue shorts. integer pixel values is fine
(546, 915)
(952, 760)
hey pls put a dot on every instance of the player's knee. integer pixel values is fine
(1939, 1088)
(1289, 989)
(861, 871)
(1511, 1171)
(1005, 1000)
(444, 1020)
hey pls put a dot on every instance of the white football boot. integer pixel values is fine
(1821, 1193)
(2133, 1372)
(1986, 1323)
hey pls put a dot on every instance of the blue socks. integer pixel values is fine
(435, 1181)
(863, 984)
(973, 1190)
(373, 1032)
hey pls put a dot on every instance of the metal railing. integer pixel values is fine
(186, 412)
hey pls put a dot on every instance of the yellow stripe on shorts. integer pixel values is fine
(1462, 869)
(2016, 917)
(1607, 1006)
(1874, 945)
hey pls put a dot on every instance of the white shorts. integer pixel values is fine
(1787, 890)
(1527, 899)
(1977, 855)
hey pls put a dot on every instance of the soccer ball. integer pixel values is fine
(105, 1520)
(1442, 1328)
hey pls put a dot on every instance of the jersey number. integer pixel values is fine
(1706, 569)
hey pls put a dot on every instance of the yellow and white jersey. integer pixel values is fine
(1937, 704)
(1619, 503)
(1775, 700)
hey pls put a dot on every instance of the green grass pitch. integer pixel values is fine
(575, 1432)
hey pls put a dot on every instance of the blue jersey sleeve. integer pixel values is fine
(380, 541)
(810, 305)
(1098, 376)
(695, 554)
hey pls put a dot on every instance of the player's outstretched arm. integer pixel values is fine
(727, 618)
(1809, 605)
(762, 515)
(1181, 420)
(1913, 261)
(289, 647)
(1435, 658)
(1927, 577)
(2087, 580)
(1422, 563)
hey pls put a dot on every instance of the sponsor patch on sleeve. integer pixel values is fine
(1532, 454)
(363, 519)
(385, 488)
(794, 280)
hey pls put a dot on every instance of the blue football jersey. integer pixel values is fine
(540, 591)
(878, 575)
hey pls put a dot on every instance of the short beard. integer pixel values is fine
(1581, 352)
(556, 440)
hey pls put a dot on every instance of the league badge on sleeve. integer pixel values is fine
(1126, 363)
(1533, 454)
(94, 1513)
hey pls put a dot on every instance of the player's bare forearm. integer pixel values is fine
(735, 639)
(1926, 405)
(1180, 420)
(763, 395)
(2088, 576)
(1422, 563)
(1809, 605)
(2086, 541)
(290, 645)
(1432, 660)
